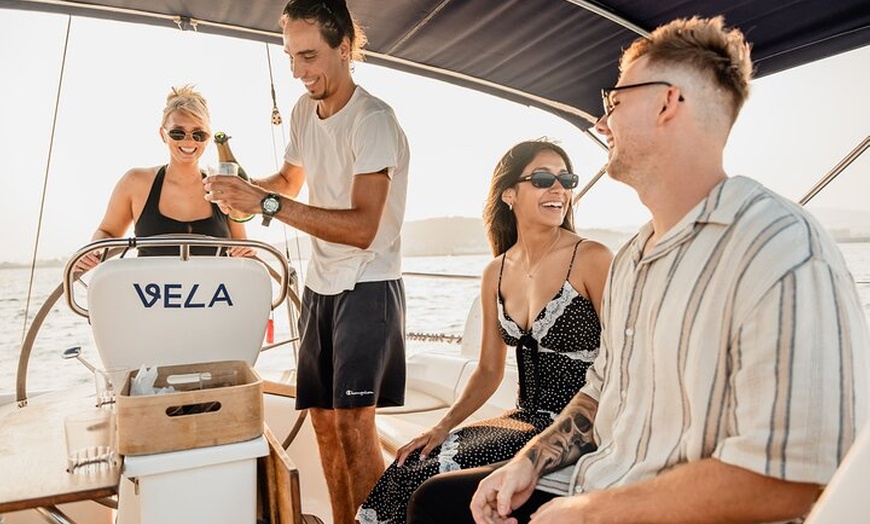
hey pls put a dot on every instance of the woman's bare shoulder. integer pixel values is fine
(593, 261)
(593, 248)
(141, 173)
(138, 177)
(492, 268)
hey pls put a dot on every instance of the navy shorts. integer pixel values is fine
(352, 347)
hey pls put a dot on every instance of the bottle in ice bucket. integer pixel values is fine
(225, 154)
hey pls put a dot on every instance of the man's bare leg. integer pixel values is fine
(332, 458)
(362, 449)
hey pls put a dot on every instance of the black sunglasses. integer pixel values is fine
(610, 104)
(179, 134)
(544, 179)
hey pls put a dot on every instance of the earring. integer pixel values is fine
(510, 206)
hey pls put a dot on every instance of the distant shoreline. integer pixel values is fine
(455, 252)
(39, 264)
(458, 236)
(62, 263)
(852, 240)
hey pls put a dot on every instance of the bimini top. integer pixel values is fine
(552, 54)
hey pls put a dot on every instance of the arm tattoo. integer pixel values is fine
(569, 438)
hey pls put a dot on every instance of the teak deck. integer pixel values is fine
(33, 454)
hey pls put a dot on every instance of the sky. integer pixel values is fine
(795, 127)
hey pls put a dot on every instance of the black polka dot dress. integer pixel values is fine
(552, 358)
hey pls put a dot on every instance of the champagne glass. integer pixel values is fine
(229, 169)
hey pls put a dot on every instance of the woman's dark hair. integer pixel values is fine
(498, 219)
(334, 19)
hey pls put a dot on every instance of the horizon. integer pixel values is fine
(108, 119)
(858, 235)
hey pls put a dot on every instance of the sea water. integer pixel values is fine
(436, 306)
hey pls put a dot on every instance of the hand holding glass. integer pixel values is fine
(229, 169)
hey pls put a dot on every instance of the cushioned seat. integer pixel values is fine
(416, 402)
(398, 429)
(435, 380)
(844, 499)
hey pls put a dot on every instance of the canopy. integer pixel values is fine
(552, 54)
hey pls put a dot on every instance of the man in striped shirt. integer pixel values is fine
(731, 377)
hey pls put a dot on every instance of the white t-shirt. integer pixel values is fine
(363, 137)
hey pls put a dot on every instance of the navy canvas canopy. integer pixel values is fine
(552, 54)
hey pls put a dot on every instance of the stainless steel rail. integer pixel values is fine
(184, 242)
(447, 276)
(835, 172)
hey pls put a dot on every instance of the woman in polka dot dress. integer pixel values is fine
(541, 295)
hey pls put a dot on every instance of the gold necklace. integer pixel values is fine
(530, 271)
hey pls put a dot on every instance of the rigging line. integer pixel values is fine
(274, 108)
(278, 121)
(45, 179)
(278, 169)
(276, 115)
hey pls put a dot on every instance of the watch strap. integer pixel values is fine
(267, 213)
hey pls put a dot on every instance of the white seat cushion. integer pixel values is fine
(398, 429)
(416, 401)
(844, 499)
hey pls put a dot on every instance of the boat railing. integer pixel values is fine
(443, 338)
(184, 243)
(836, 170)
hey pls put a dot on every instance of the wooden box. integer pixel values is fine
(222, 404)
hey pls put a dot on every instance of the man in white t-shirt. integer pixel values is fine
(353, 154)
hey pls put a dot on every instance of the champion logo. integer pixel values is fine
(350, 393)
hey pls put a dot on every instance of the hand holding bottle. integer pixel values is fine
(226, 158)
(233, 195)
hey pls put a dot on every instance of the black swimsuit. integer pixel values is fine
(152, 222)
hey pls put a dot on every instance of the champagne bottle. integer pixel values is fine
(225, 154)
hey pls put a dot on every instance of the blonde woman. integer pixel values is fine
(169, 198)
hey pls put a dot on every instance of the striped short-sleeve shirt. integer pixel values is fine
(738, 336)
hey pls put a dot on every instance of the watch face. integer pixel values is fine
(271, 204)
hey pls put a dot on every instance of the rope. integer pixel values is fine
(276, 115)
(45, 181)
(278, 162)
(278, 121)
(434, 337)
(274, 108)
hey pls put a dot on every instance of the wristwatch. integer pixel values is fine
(270, 205)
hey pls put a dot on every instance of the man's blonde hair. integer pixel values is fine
(704, 45)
